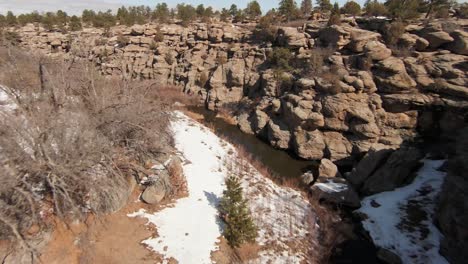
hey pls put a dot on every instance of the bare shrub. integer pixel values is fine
(400, 51)
(122, 40)
(9, 38)
(159, 36)
(393, 32)
(317, 60)
(177, 180)
(248, 251)
(169, 58)
(71, 138)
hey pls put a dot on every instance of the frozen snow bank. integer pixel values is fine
(401, 220)
(332, 187)
(189, 230)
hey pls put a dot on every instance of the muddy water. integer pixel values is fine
(280, 162)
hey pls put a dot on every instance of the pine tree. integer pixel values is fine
(2, 21)
(161, 13)
(75, 23)
(306, 7)
(403, 9)
(375, 8)
(352, 8)
(253, 9)
(10, 19)
(324, 5)
(335, 15)
(288, 9)
(224, 15)
(233, 10)
(240, 227)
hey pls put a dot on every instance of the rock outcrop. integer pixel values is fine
(348, 95)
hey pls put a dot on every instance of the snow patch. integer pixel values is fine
(331, 187)
(189, 231)
(402, 220)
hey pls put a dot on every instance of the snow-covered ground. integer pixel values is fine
(402, 220)
(189, 231)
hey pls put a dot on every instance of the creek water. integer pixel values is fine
(280, 162)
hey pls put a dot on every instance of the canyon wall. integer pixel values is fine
(346, 90)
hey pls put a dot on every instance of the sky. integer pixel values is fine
(77, 6)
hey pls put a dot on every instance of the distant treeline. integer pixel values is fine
(287, 10)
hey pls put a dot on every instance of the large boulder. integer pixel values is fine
(395, 172)
(154, 193)
(391, 76)
(368, 164)
(278, 134)
(360, 38)
(244, 123)
(291, 37)
(437, 38)
(338, 148)
(377, 51)
(335, 191)
(328, 169)
(334, 36)
(309, 144)
(460, 42)
(411, 40)
(259, 120)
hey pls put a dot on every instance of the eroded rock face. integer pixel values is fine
(361, 96)
(395, 172)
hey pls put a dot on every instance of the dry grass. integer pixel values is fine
(329, 236)
(177, 180)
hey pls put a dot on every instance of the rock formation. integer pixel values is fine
(349, 95)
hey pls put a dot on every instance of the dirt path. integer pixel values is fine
(114, 238)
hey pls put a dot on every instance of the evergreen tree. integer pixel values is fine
(186, 13)
(288, 9)
(253, 9)
(234, 210)
(10, 19)
(224, 15)
(48, 21)
(324, 5)
(161, 13)
(335, 16)
(352, 8)
(240, 16)
(75, 23)
(23, 19)
(2, 21)
(233, 10)
(403, 9)
(88, 16)
(437, 5)
(306, 7)
(61, 18)
(200, 10)
(375, 8)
